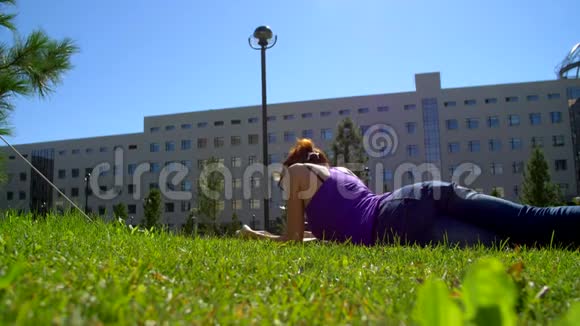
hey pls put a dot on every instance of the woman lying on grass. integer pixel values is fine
(339, 207)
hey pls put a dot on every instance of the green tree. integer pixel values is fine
(347, 146)
(537, 189)
(152, 209)
(209, 190)
(190, 226)
(32, 65)
(495, 192)
(120, 211)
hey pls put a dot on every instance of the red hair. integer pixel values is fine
(304, 151)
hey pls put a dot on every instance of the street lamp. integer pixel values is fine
(263, 39)
(87, 179)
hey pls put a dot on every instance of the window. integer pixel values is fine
(496, 168)
(131, 188)
(235, 140)
(325, 113)
(271, 138)
(103, 149)
(22, 195)
(271, 118)
(474, 146)
(532, 98)
(237, 183)
(218, 142)
(491, 100)
(185, 144)
(326, 134)
(452, 168)
(154, 129)
(186, 185)
(512, 99)
(535, 119)
(382, 108)
(470, 102)
(273, 158)
(253, 120)
(453, 147)
(516, 144)
(236, 204)
(513, 120)
(537, 141)
(408, 107)
(76, 151)
(236, 161)
(219, 123)
(236, 122)
(364, 128)
(201, 164)
(412, 150)
(344, 112)
(169, 128)
(499, 190)
(307, 133)
(154, 167)
(153, 185)
(554, 96)
(10, 195)
(411, 127)
(472, 123)
(563, 188)
(74, 192)
(22, 176)
(253, 139)
(75, 173)
(306, 115)
(289, 117)
(449, 104)
(132, 147)
(102, 210)
(363, 110)
(255, 182)
(202, 124)
(169, 146)
(89, 150)
(62, 152)
(252, 159)
(493, 121)
(558, 140)
(516, 190)
(451, 124)
(201, 142)
(131, 168)
(185, 206)
(154, 147)
(387, 175)
(132, 209)
(254, 204)
(494, 145)
(61, 174)
(518, 167)
(561, 165)
(169, 207)
(88, 171)
(556, 117)
(186, 126)
(186, 164)
(289, 136)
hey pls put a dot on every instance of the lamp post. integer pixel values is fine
(87, 179)
(262, 39)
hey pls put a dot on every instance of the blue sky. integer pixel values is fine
(142, 57)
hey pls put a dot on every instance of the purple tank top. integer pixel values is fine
(343, 209)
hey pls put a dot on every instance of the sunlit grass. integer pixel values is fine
(67, 270)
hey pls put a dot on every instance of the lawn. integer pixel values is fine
(65, 270)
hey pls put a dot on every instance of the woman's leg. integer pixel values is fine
(521, 223)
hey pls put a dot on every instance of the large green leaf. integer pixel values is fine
(435, 307)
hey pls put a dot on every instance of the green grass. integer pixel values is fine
(64, 270)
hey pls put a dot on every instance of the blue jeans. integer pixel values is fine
(436, 211)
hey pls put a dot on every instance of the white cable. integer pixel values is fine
(45, 178)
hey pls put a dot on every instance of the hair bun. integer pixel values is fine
(305, 145)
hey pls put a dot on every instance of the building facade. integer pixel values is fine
(480, 137)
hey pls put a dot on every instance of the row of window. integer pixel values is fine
(512, 121)
(102, 149)
(507, 99)
(495, 145)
